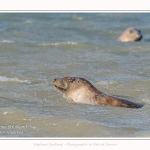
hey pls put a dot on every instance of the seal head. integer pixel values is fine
(130, 35)
(79, 90)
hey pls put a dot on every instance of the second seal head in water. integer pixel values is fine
(79, 90)
(130, 35)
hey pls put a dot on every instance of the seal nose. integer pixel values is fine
(54, 80)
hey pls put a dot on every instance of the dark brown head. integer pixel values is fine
(130, 35)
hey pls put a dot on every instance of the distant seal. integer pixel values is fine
(130, 35)
(79, 90)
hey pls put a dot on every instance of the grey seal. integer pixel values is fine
(79, 90)
(130, 35)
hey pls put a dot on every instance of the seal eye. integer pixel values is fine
(72, 79)
(131, 31)
(54, 80)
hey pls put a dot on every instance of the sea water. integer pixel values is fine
(36, 48)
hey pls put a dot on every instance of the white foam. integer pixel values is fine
(78, 18)
(58, 43)
(5, 79)
(6, 41)
(28, 21)
(5, 113)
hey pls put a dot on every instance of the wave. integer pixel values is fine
(58, 43)
(28, 22)
(106, 82)
(6, 41)
(5, 79)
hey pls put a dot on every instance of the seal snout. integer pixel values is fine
(55, 83)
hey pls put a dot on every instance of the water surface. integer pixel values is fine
(36, 48)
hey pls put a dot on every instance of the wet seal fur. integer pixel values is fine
(79, 90)
(130, 35)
